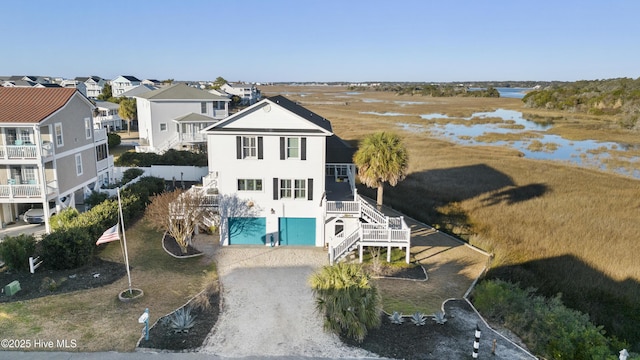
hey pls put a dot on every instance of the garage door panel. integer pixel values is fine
(297, 231)
(247, 231)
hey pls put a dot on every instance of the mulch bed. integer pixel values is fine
(172, 246)
(162, 336)
(47, 282)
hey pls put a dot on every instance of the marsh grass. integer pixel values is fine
(95, 318)
(556, 226)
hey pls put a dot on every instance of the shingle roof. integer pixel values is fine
(107, 105)
(181, 92)
(338, 152)
(81, 78)
(301, 111)
(31, 105)
(138, 90)
(193, 117)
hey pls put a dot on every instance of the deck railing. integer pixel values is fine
(380, 230)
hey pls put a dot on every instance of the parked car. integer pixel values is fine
(36, 215)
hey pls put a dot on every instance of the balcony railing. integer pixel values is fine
(29, 151)
(220, 113)
(105, 163)
(25, 191)
(99, 135)
(193, 137)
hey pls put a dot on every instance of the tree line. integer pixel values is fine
(433, 90)
(619, 97)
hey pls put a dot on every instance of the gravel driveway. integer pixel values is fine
(268, 308)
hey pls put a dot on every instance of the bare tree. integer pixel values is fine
(178, 213)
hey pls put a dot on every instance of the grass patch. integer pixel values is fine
(95, 318)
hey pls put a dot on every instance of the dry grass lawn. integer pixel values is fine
(95, 318)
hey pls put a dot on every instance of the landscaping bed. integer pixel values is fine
(163, 337)
(47, 282)
(171, 246)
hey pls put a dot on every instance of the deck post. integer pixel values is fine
(330, 254)
(389, 253)
(361, 251)
(408, 254)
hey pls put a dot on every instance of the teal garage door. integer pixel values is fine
(247, 231)
(298, 231)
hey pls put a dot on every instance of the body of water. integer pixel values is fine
(534, 143)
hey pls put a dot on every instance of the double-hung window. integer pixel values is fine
(300, 189)
(293, 148)
(285, 188)
(87, 127)
(203, 107)
(78, 164)
(249, 147)
(58, 134)
(249, 184)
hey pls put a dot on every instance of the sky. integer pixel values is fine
(323, 41)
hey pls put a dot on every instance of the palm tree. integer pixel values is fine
(381, 157)
(128, 111)
(347, 298)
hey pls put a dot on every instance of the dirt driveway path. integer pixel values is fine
(268, 308)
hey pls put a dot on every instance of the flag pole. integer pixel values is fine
(124, 240)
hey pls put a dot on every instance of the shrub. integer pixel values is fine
(348, 299)
(171, 157)
(64, 218)
(130, 174)
(547, 326)
(16, 250)
(113, 140)
(96, 198)
(67, 248)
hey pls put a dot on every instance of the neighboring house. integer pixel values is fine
(283, 178)
(74, 84)
(52, 85)
(94, 85)
(50, 154)
(248, 93)
(123, 83)
(19, 83)
(152, 82)
(106, 116)
(137, 91)
(220, 92)
(173, 116)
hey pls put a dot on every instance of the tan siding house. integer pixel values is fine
(48, 150)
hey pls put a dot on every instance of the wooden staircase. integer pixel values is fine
(374, 229)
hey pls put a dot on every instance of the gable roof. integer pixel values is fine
(193, 117)
(338, 151)
(301, 111)
(81, 78)
(181, 91)
(31, 105)
(138, 90)
(321, 125)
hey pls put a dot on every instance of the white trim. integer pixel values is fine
(55, 134)
(77, 150)
(79, 167)
(88, 126)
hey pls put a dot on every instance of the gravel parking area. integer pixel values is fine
(268, 307)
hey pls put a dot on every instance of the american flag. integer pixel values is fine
(111, 234)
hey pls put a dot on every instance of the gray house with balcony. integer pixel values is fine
(50, 153)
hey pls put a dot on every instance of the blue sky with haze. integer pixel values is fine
(329, 40)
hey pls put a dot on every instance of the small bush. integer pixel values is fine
(113, 140)
(348, 300)
(16, 250)
(64, 218)
(171, 157)
(67, 248)
(96, 198)
(130, 174)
